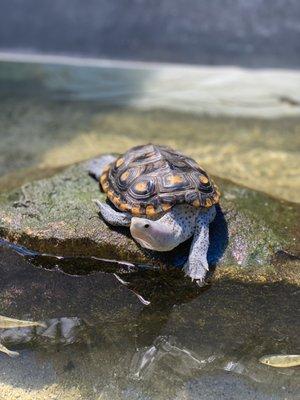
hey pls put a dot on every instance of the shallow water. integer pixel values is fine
(102, 340)
(51, 116)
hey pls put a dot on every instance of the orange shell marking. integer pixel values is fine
(123, 207)
(208, 203)
(116, 200)
(110, 195)
(203, 179)
(104, 182)
(150, 211)
(166, 207)
(124, 176)
(175, 179)
(141, 186)
(196, 203)
(136, 211)
(105, 186)
(119, 162)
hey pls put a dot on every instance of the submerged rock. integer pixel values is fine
(57, 216)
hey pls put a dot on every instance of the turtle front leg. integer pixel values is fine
(113, 217)
(197, 265)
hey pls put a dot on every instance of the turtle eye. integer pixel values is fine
(146, 225)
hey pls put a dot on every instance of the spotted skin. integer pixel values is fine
(186, 221)
(181, 219)
(97, 166)
(197, 266)
(113, 217)
(173, 225)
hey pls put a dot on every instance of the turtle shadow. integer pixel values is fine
(163, 290)
(218, 238)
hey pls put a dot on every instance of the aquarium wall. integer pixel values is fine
(259, 33)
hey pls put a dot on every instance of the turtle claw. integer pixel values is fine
(206, 267)
(195, 271)
(201, 283)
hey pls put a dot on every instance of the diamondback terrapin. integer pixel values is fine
(163, 196)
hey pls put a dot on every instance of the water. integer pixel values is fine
(53, 115)
(126, 332)
(101, 340)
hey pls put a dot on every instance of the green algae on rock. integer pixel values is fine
(57, 216)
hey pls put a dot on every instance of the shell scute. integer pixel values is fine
(149, 180)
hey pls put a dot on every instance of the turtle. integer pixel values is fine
(163, 196)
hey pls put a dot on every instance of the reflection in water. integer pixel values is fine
(112, 346)
(144, 361)
(56, 330)
(11, 324)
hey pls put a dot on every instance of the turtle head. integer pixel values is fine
(153, 235)
(166, 233)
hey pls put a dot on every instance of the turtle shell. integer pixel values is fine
(148, 180)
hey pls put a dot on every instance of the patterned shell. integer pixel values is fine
(148, 180)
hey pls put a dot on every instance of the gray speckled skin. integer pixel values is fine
(113, 217)
(166, 233)
(197, 265)
(96, 166)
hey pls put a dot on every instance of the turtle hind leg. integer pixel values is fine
(96, 166)
(113, 217)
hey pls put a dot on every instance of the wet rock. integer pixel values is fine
(57, 216)
(62, 303)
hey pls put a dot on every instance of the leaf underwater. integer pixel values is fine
(7, 323)
(281, 360)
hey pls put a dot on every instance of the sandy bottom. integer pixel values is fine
(8, 392)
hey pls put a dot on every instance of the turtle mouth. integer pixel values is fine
(144, 244)
(140, 236)
(150, 246)
(141, 231)
(149, 237)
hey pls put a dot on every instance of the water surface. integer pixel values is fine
(102, 341)
(52, 116)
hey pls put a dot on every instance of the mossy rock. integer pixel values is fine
(57, 216)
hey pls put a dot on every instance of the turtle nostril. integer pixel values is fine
(147, 225)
